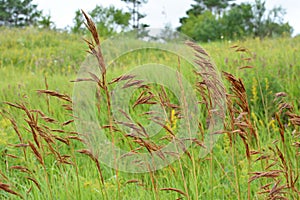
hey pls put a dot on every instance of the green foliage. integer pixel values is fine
(234, 22)
(135, 14)
(204, 27)
(214, 6)
(108, 20)
(270, 24)
(39, 51)
(78, 23)
(46, 23)
(18, 13)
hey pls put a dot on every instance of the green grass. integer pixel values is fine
(29, 55)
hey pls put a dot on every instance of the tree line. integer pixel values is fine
(210, 20)
(206, 20)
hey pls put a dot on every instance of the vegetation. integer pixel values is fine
(136, 15)
(108, 20)
(44, 157)
(210, 20)
(207, 20)
(18, 13)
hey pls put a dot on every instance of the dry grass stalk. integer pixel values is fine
(95, 159)
(240, 117)
(56, 94)
(21, 168)
(122, 78)
(211, 80)
(11, 156)
(174, 190)
(36, 153)
(8, 189)
(212, 92)
(240, 120)
(35, 182)
(68, 122)
(285, 109)
(269, 174)
(281, 127)
(144, 98)
(294, 118)
(276, 192)
(16, 130)
(95, 50)
(3, 176)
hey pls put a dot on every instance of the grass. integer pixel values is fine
(43, 156)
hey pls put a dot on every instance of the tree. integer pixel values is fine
(18, 13)
(275, 25)
(269, 24)
(168, 34)
(78, 23)
(204, 22)
(214, 6)
(197, 9)
(135, 14)
(204, 27)
(259, 10)
(46, 23)
(237, 22)
(108, 20)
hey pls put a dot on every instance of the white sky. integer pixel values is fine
(159, 12)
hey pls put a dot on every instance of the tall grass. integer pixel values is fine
(44, 157)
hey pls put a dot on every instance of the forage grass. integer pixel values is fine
(44, 157)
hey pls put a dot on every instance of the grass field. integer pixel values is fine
(43, 157)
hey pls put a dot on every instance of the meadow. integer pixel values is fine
(44, 157)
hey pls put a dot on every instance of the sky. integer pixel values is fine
(159, 12)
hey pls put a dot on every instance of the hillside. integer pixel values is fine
(43, 157)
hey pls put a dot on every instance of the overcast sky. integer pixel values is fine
(159, 12)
